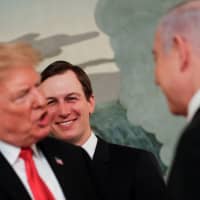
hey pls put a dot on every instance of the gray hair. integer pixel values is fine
(183, 20)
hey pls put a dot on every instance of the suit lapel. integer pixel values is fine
(10, 180)
(102, 153)
(101, 165)
(62, 170)
(58, 165)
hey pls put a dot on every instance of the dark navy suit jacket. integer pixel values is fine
(73, 174)
(183, 181)
(124, 173)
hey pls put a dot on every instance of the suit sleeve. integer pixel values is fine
(149, 180)
(183, 181)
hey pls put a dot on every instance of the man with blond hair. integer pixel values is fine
(177, 71)
(33, 166)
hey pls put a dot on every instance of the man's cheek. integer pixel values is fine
(52, 114)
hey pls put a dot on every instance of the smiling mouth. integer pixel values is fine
(65, 123)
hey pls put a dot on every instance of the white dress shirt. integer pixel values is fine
(11, 153)
(90, 145)
(193, 106)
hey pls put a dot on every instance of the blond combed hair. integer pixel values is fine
(13, 53)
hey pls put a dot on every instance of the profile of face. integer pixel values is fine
(71, 110)
(23, 111)
(168, 74)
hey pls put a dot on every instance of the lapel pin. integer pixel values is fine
(59, 161)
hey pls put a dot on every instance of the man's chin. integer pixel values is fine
(177, 112)
(42, 133)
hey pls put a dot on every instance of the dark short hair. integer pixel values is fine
(60, 67)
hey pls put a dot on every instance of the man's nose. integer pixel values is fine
(63, 109)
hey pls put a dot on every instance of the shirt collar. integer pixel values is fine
(11, 152)
(193, 106)
(90, 144)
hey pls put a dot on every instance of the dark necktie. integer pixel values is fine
(39, 189)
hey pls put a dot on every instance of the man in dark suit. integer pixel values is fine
(120, 172)
(177, 67)
(33, 167)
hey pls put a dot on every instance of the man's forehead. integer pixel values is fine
(17, 72)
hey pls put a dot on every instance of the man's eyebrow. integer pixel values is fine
(73, 93)
(51, 98)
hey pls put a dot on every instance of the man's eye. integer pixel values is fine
(51, 102)
(21, 95)
(72, 98)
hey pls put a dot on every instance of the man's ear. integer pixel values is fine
(182, 48)
(91, 103)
